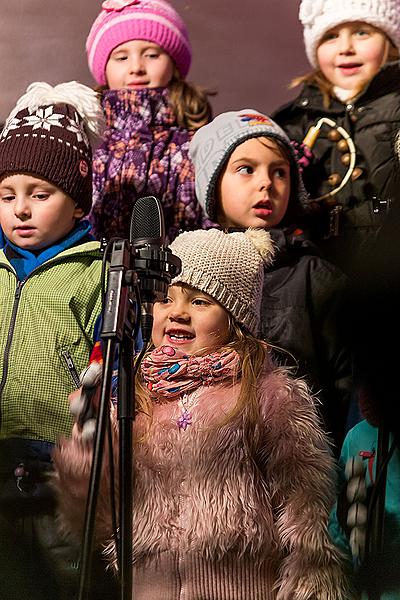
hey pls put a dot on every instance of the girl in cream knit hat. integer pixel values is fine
(353, 47)
(233, 475)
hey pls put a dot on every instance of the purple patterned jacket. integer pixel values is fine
(143, 152)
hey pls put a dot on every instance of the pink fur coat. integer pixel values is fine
(224, 510)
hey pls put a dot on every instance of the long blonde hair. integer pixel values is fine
(255, 357)
(317, 78)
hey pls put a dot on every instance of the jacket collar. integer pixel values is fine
(384, 82)
(150, 106)
(25, 261)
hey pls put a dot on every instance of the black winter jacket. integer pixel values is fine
(372, 120)
(303, 299)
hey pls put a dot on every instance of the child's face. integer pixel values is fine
(191, 321)
(351, 54)
(34, 213)
(254, 187)
(138, 64)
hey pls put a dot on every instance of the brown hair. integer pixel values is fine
(318, 79)
(189, 102)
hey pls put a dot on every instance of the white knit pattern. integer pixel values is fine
(84, 99)
(318, 16)
(227, 266)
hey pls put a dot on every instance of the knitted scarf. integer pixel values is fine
(170, 373)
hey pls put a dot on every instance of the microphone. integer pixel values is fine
(154, 263)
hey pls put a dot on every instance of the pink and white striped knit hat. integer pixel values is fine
(123, 20)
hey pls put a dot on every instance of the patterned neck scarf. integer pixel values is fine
(170, 373)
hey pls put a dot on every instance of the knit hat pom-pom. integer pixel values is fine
(84, 99)
(262, 242)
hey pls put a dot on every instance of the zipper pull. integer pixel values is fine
(18, 290)
(71, 367)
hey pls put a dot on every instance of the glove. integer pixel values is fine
(303, 154)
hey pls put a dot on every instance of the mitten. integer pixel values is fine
(84, 406)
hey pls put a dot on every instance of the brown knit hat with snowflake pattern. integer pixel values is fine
(49, 134)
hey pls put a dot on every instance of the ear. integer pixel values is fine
(78, 212)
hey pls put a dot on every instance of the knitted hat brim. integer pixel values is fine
(314, 35)
(63, 161)
(238, 307)
(137, 26)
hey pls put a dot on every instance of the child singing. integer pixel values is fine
(233, 475)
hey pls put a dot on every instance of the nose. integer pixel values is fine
(22, 208)
(179, 314)
(179, 317)
(346, 43)
(265, 183)
(136, 64)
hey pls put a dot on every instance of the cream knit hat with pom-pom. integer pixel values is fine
(318, 16)
(227, 266)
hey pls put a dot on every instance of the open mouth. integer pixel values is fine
(263, 208)
(264, 204)
(180, 336)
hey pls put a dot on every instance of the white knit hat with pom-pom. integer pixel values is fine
(318, 16)
(227, 266)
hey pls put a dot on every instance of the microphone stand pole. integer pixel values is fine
(126, 415)
(120, 278)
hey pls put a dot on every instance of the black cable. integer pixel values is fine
(380, 479)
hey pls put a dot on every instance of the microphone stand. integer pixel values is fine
(126, 416)
(116, 329)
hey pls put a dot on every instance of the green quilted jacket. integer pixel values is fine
(46, 335)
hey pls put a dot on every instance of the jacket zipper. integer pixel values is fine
(71, 367)
(12, 323)
(17, 296)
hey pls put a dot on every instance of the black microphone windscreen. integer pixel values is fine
(147, 222)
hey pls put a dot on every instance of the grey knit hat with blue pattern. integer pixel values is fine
(213, 144)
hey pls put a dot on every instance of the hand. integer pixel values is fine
(84, 402)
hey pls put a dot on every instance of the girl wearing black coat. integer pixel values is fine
(359, 96)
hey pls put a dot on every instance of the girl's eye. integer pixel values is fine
(200, 302)
(281, 173)
(7, 198)
(41, 196)
(152, 55)
(328, 37)
(245, 169)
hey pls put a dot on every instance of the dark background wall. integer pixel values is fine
(247, 50)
